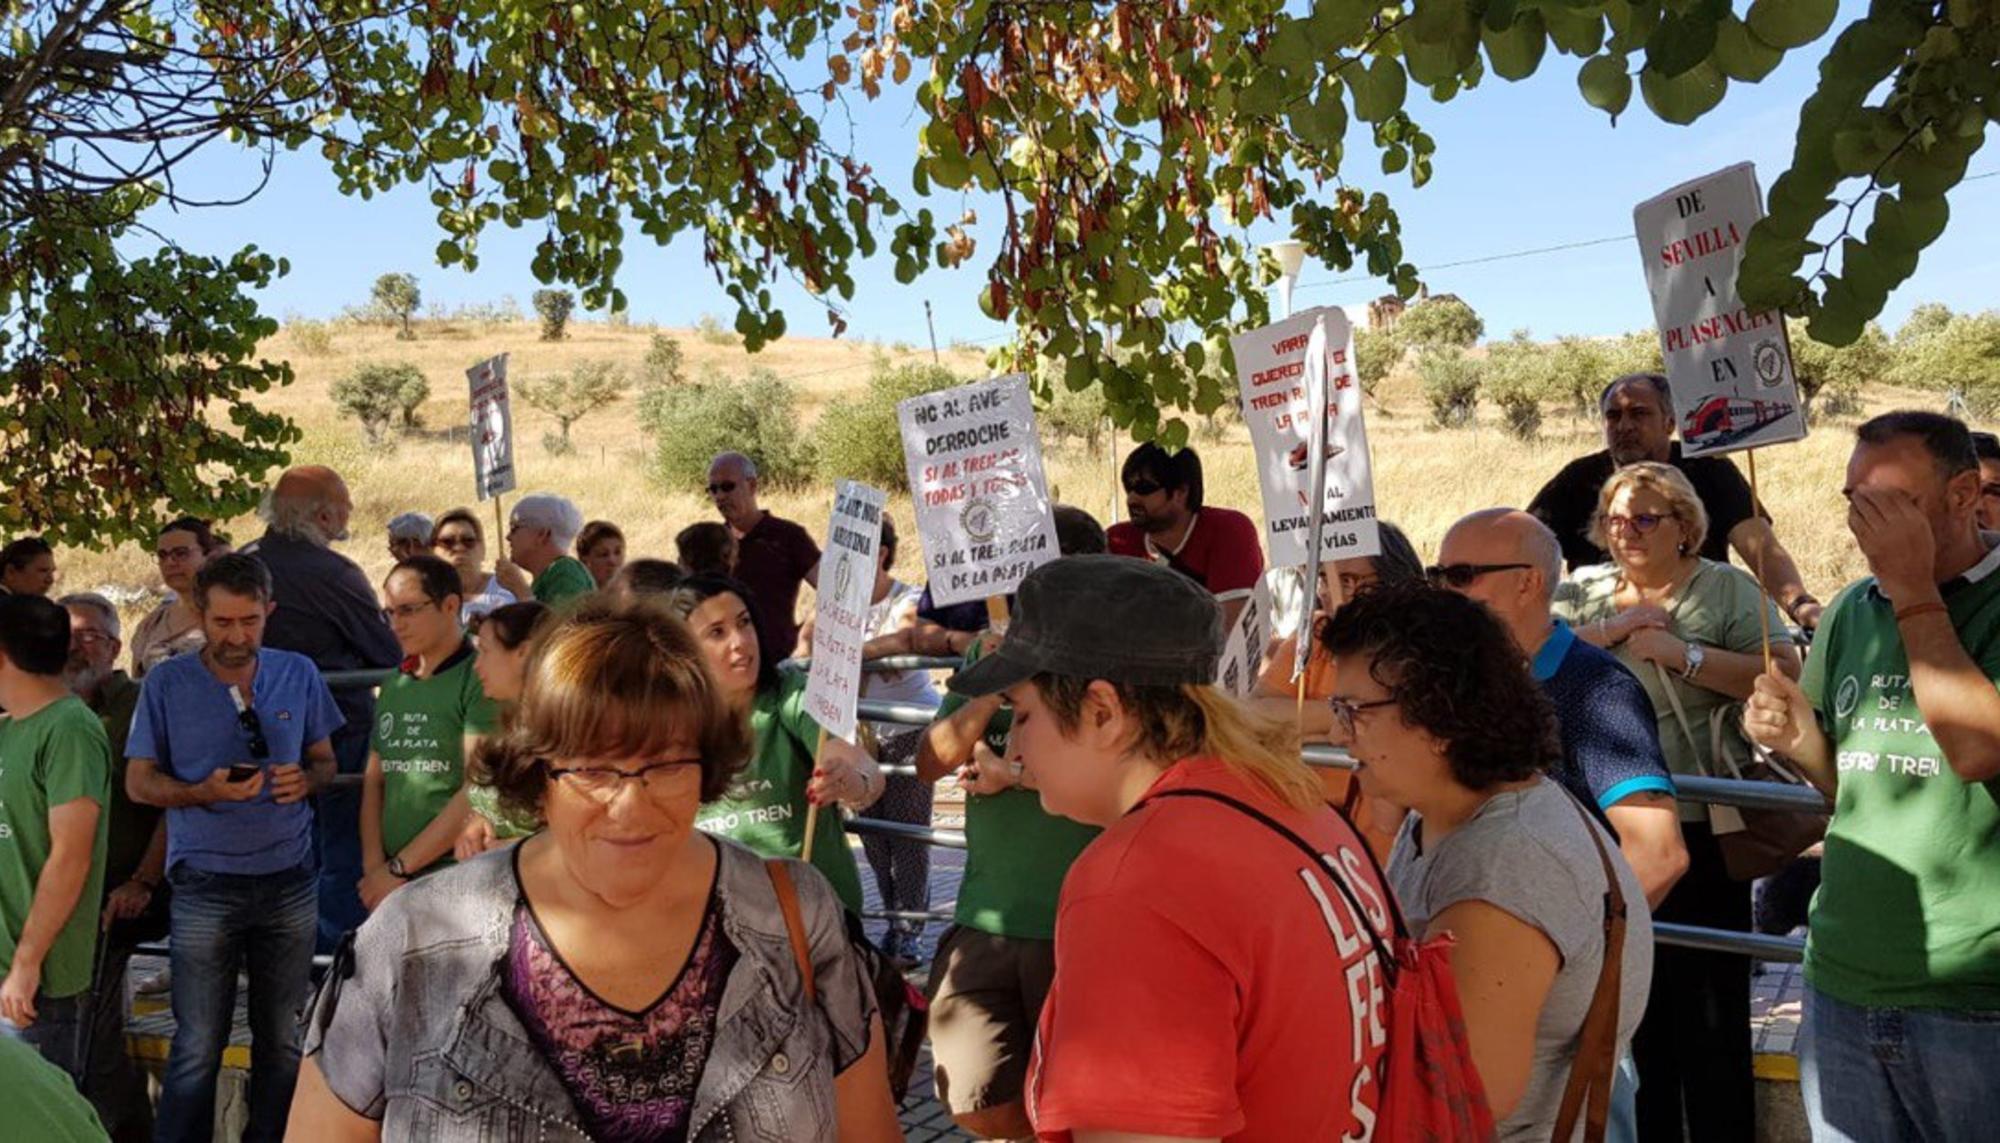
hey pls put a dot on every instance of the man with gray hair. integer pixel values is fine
(773, 555)
(1638, 414)
(540, 530)
(135, 865)
(327, 611)
(409, 535)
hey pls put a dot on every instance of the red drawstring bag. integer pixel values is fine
(1430, 1088)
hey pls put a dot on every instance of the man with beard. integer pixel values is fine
(135, 861)
(1216, 547)
(230, 742)
(1638, 413)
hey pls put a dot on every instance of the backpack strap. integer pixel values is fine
(1390, 965)
(1590, 1070)
(795, 925)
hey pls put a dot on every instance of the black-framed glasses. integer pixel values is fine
(407, 610)
(1144, 487)
(1641, 523)
(183, 552)
(602, 783)
(260, 748)
(1461, 576)
(1347, 711)
(721, 487)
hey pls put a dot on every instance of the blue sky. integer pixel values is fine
(1519, 166)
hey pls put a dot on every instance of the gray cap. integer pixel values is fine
(1115, 618)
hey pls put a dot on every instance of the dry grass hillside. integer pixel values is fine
(1425, 477)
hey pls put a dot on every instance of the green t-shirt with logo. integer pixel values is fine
(563, 580)
(51, 758)
(766, 809)
(420, 729)
(1908, 909)
(1017, 853)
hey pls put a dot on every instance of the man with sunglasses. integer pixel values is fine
(230, 742)
(1986, 446)
(540, 530)
(773, 555)
(1169, 523)
(1638, 414)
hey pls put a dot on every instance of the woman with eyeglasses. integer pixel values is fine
(783, 783)
(621, 975)
(174, 626)
(1689, 628)
(460, 540)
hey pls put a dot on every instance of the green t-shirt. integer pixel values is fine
(1908, 909)
(420, 729)
(563, 580)
(1717, 608)
(51, 758)
(1017, 853)
(42, 1102)
(766, 810)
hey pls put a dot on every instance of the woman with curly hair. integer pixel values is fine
(1441, 715)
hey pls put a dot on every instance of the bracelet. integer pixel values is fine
(1916, 609)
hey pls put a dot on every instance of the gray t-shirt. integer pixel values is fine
(1525, 852)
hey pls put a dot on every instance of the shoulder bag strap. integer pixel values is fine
(1590, 1071)
(795, 925)
(1382, 950)
(1680, 714)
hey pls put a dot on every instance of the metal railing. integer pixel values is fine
(1748, 795)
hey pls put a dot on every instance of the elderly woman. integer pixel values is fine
(460, 540)
(174, 626)
(794, 768)
(601, 547)
(621, 975)
(1438, 708)
(1689, 628)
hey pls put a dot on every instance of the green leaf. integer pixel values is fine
(1379, 90)
(1787, 24)
(1740, 55)
(1517, 52)
(1686, 97)
(1925, 216)
(1680, 42)
(1575, 33)
(1605, 84)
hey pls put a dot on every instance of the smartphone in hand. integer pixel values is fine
(243, 771)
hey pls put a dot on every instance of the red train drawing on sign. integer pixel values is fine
(1722, 420)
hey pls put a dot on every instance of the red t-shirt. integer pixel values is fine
(1208, 982)
(1221, 551)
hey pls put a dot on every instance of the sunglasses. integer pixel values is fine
(602, 783)
(1641, 523)
(1460, 576)
(722, 488)
(260, 749)
(1347, 711)
(1143, 487)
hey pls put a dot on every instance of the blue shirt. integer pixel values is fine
(1610, 737)
(188, 725)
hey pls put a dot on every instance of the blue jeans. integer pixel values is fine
(1873, 1074)
(222, 922)
(57, 1033)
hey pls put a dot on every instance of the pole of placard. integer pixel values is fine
(1306, 633)
(1763, 613)
(812, 808)
(996, 612)
(499, 524)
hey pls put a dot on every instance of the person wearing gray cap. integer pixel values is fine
(1221, 892)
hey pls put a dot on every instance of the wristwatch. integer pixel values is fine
(398, 870)
(1695, 655)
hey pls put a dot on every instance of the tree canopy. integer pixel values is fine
(1130, 144)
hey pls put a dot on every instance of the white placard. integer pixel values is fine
(1730, 368)
(982, 499)
(492, 428)
(1271, 367)
(1243, 648)
(840, 621)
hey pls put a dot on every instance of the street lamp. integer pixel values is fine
(1291, 255)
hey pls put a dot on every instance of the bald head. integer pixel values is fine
(310, 502)
(1520, 595)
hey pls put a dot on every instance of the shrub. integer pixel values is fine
(1960, 358)
(709, 328)
(1376, 353)
(1066, 414)
(663, 363)
(1925, 319)
(313, 338)
(374, 392)
(397, 295)
(756, 415)
(555, 444)
(1517, 380)
(1451, 386)
(859, 438)
(1439, 323)
(1831, 378)
(554, 306)
(571, 396)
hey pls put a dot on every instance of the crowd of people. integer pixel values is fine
(559, 858)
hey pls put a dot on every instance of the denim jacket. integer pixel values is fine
(411, 1028)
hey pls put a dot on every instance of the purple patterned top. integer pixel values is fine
(632, 1074)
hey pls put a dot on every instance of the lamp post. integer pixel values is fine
(1291, 255)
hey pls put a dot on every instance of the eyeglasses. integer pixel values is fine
(1352, 584)
(1346, 711)
(1640, 523)
(1143, 487)
(406, 611)
(1460, 576)
(181, 553)
(90, 638)
(602, 783)
(457, 543)
(260, 749)
(721, 487)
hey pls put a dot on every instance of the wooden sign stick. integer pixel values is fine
(812, 808)
(1306, 633)
(1763, 613)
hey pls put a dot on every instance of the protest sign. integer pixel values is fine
(982, 500)
(1730, 368)
(1243, 647)
(492, 428)
(1271, 366)
(840, 621)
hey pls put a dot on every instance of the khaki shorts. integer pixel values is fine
(986, 996)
